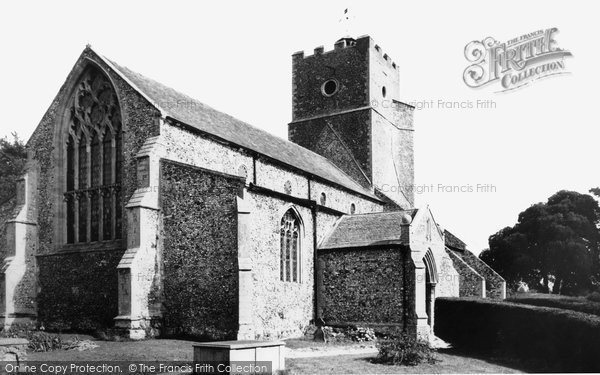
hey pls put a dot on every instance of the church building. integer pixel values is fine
(144, 210)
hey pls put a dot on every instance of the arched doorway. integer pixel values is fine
(431, 279)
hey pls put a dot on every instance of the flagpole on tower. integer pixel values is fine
(345, 23)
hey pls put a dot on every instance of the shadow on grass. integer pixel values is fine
(446, 361)
(530, 365)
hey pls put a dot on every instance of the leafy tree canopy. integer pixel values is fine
(12, 161)
(557, 241)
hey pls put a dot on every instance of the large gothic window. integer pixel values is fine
(94, 162)
(290, 247)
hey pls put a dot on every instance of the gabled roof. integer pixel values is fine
(202, 117)
(454, 242)
(373, 229)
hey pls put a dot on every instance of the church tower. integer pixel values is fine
(345, 107)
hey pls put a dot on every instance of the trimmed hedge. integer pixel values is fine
(554, 339)
(580, 304)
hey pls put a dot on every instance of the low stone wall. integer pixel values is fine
(363, 285)
(471, 283)
(13, 350)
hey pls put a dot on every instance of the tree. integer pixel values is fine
(13, 156)
(554, 241)
(596, 260)
(504, 256)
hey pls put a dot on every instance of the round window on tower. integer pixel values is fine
(330, 87)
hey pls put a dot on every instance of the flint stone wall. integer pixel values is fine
(471, 283)
(495, 285)
(364, 286)
(199, 251)
(280, 308)
(78, 290)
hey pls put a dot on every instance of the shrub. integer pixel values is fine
(45, 342)
(79, 345)
(404, 350)
(555, 339)
(594, 297)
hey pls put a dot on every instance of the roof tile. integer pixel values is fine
(365, 230)
(189, 111)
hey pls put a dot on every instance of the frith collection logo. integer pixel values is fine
(515, 63)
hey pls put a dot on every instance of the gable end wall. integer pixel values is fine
(64, 278)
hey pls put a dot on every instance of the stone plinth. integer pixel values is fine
(249, 354)
(13, 350)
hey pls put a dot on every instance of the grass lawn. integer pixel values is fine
(181, 350)
(580, 304)
(146, 350)
(449, 362)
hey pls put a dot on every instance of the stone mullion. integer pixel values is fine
(75, 228)
(292, 255)
(295, 256)
(88, 148)
(99, 189)
(291, 244)
(299, 257)
(282, 254)
(113, 194)
(64, 222)
(285, 254)
(288, 254)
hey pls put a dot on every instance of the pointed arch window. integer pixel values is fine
(290, 255)
(94, 162)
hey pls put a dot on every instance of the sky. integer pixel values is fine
(236, 57)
